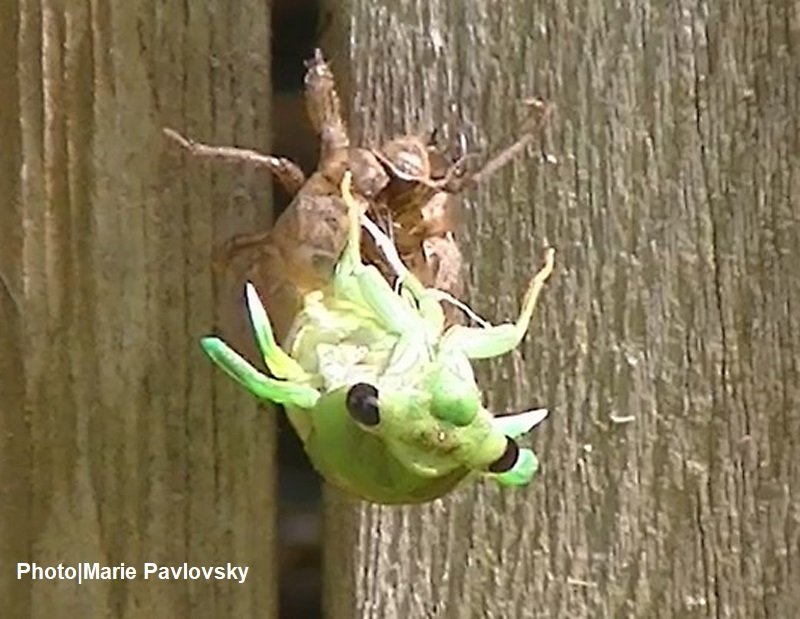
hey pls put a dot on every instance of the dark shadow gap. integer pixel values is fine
(294, 33)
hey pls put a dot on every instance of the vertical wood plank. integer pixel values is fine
(14, 431)
(667, 342)
(120, 442)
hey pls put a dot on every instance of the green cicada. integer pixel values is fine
(382, 395)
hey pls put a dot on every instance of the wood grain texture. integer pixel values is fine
(120, 442)
(668, 342)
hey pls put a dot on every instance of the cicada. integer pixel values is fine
(408, 184)
(379, 389)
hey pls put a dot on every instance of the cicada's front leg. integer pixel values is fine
(541, 112)
(493, 341)
(323, 106)
(287, 172)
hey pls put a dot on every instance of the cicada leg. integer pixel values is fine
(287, 172)
(323, 106)
(493, 341)
(542, 111)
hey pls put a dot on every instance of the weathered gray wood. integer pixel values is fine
(667, 344)
(119, 442)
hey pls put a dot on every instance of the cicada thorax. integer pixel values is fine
(420, 212)
(419, 193)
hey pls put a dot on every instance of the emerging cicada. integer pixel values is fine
(379, 389)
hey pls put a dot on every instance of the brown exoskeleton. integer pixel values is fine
(408, 185)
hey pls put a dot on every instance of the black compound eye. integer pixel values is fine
(362, 404)
(509, 458)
